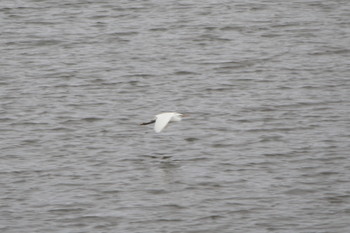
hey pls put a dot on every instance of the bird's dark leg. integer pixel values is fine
(147, 123)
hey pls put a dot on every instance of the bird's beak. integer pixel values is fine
(185, 115)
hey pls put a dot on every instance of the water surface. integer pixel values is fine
(266, 146)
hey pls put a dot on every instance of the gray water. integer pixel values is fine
(265, 147)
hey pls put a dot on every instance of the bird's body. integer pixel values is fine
(161, 120)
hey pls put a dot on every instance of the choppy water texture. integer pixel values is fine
(266, 146)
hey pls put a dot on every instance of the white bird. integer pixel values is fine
(163, 119)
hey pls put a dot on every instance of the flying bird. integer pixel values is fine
(161, 120)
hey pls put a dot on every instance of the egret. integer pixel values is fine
(161, 120)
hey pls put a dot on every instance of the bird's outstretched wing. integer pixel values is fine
(161, 121)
